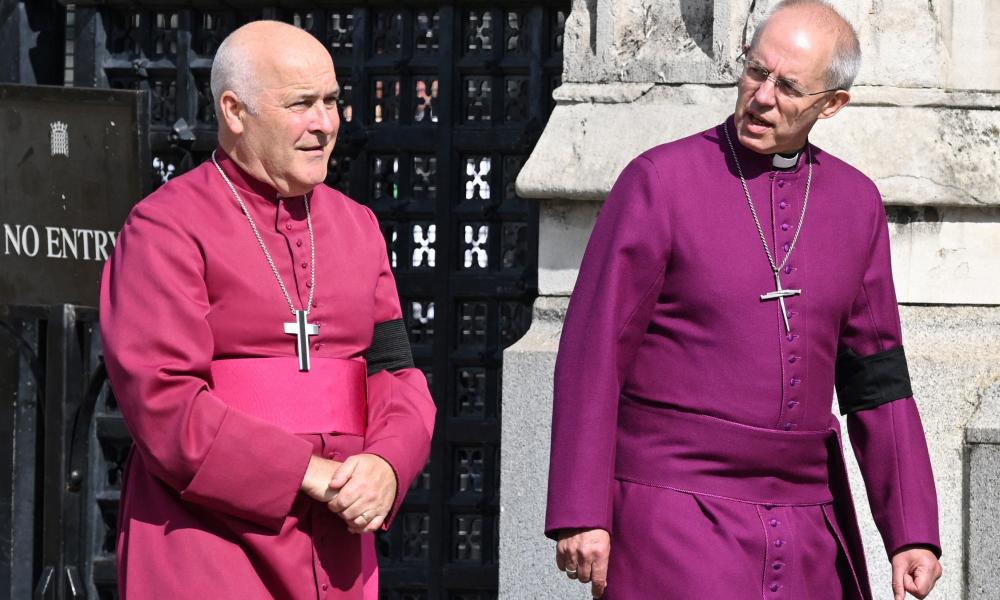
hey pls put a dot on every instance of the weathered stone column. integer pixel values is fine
(982, 480)
(924, 124)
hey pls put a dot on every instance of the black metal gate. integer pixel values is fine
(68, 445)
(441, 105)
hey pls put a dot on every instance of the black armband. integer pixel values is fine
(390, 349)
(865, 382)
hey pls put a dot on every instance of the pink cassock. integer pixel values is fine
(192, 320)
(690, 425)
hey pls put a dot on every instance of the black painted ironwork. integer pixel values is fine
(63, 490)
(441, 105)
(21, 384)
(31, 42)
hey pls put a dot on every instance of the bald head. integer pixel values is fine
(276, 94)
(251, 53)
(818, 16)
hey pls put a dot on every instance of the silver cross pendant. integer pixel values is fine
(302, 329)
(780, 294)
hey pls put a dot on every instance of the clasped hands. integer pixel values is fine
(361, 490)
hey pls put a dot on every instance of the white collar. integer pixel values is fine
(784, 161)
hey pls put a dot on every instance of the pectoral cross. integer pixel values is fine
(302, 329)
(779, 295)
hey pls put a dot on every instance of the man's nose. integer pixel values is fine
(325, 119)
(765, 93)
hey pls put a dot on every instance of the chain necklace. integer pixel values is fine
(300, 328)
(778, 294)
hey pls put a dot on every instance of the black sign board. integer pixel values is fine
(72, 163)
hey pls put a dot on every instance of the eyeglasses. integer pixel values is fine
(756, 72)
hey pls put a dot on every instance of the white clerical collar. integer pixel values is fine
(785, 161)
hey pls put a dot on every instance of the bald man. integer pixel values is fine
(733, 280)
(255, 344)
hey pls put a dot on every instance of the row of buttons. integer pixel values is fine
(303, 264)
(332, 456)
(793, 379)
(776, 557)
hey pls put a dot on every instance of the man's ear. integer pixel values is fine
(232, 111)
(839, 100)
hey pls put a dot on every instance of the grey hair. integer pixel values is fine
(233, 70)
(846, 62)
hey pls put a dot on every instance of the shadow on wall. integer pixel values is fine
(699, 20)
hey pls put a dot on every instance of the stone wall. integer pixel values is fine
(924, 123)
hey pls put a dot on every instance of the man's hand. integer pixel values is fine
(583, 554)
(316, 482)
(364, 490)
(915, 570)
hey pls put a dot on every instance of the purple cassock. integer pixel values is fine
(698, 431)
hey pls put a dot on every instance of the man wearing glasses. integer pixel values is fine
(734, 279)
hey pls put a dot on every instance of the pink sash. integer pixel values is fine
(332, 397)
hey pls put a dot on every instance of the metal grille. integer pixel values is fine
(441, 104)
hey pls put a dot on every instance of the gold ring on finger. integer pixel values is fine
(364, 516)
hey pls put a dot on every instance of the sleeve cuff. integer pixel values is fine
(383, 451)
(935, 548)
(253, 471)
(924, 539)
(401, 423)
(552, 529)
(574, 508)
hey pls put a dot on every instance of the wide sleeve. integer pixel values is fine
(158, 349)
(882, 417)
(400, 408)
(620, 277)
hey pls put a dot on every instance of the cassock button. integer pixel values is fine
(793, 382)
(787, 246)
(304, 264)
(325, 587)
(792, 359)
(775, 587)
(298, 242)
(788, 269)
(309, 284)
(288, 226)
(781, 183)
(789, 426)
(779, 543)
(784, 226)
(773, 523)
(782, 205)
(315, 304)
(777, 566)
(792, 404)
